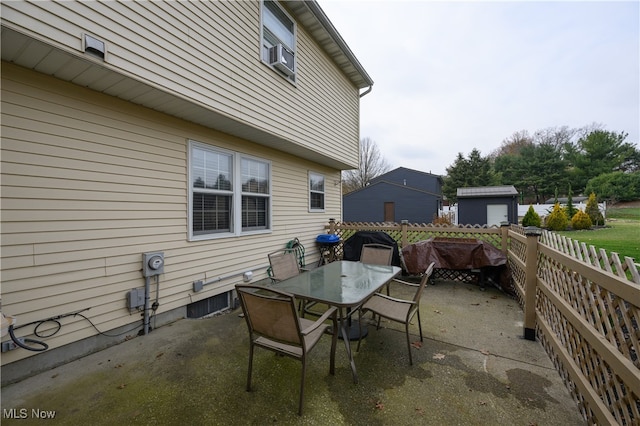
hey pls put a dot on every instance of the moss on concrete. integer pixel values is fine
(471, 369)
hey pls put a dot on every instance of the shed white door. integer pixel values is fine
(497, 213)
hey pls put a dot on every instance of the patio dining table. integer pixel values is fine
(343, 284)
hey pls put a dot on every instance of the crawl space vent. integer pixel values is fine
(208, 306)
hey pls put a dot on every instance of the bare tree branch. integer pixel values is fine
(372, 164)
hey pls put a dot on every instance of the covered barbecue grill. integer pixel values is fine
(353, 245)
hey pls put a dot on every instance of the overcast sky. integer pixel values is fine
(450, 76)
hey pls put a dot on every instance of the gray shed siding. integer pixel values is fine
(367, 204)
(473, 211)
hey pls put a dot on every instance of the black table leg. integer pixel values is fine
(353, 327)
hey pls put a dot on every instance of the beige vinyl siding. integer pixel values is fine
(177, 46)
(89, 182)
(329, 107)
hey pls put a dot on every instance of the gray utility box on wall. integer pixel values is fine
(135, 298)
(152, 263)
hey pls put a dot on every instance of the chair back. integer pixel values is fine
(376, 254)
(284, 264)
(270, 313)
(423, 282)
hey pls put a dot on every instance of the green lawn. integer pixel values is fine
(632, 213)
(621, 235)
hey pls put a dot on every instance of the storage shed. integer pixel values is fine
(487, 205)
(401, 194)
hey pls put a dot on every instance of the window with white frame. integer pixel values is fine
(255, 194)
(278, 29)
(316, 192)
(227, 189)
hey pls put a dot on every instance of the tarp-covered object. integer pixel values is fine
(353, 245)
(451, 253)
(458, 254)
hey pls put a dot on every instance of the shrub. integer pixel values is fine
(557, 219)
(531, 218)
(593, 211)
(580, 220)
(442, 220)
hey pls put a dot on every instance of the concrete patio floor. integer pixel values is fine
(472, 369)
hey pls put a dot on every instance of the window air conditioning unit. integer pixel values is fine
(282, 59)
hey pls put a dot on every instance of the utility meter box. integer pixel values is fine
(135, 298)
(152, 263)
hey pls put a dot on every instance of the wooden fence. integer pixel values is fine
(581, 303)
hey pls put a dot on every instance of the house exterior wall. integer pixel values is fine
(89, 182)
(367, 204)
(95, 163)
(209, 54)
(473, 211)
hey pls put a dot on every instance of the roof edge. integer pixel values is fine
(332, 32)
(409, 188)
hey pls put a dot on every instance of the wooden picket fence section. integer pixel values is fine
(588, 317)
(580, 302)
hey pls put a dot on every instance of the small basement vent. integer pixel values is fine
(209, 306)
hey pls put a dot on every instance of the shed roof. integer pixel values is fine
(374, 186)
(487, 191)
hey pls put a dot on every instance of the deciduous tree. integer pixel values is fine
(372, 164)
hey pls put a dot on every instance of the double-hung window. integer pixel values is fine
(316, 192)
(278, 29)
(255, 194)
(229, 194)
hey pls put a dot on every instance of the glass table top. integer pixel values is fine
(342, 283)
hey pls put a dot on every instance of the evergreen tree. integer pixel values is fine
(531, 218)
(535, 170)
(557, 219)
(580, 220)
(467, 172)
(571, 210)
(601, 152)
(593, 211)
(616, 186)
